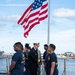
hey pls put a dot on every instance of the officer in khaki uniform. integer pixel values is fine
(39, 61)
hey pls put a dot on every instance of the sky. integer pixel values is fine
(62, 26)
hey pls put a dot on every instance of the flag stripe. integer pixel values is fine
(26, 32)
(35, 13)
(44, 6)
(31, 24)
(31, 21)
(31, 15)
(34, 16)
(25, 14)
(42, 18)
(45, 11)
(42, 14)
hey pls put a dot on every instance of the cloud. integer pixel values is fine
(9, 23)
(2, 26)
(13, 5)
(11, 18)
(65, 34)
(39, 37)
(64, 13)
(64, 40)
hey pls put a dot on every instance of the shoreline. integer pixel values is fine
(59, 57)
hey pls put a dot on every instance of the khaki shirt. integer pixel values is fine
(39, 56)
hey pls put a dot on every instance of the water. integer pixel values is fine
(3, 66)
(70, 66)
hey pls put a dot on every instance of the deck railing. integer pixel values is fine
(65, 66)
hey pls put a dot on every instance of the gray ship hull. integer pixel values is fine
(1, 53)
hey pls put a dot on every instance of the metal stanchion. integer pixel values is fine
(7, 65)
(65, 66)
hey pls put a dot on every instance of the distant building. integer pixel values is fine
(69, 54)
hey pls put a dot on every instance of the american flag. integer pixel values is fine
(35, 13)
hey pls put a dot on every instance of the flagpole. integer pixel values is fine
(48, 39)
